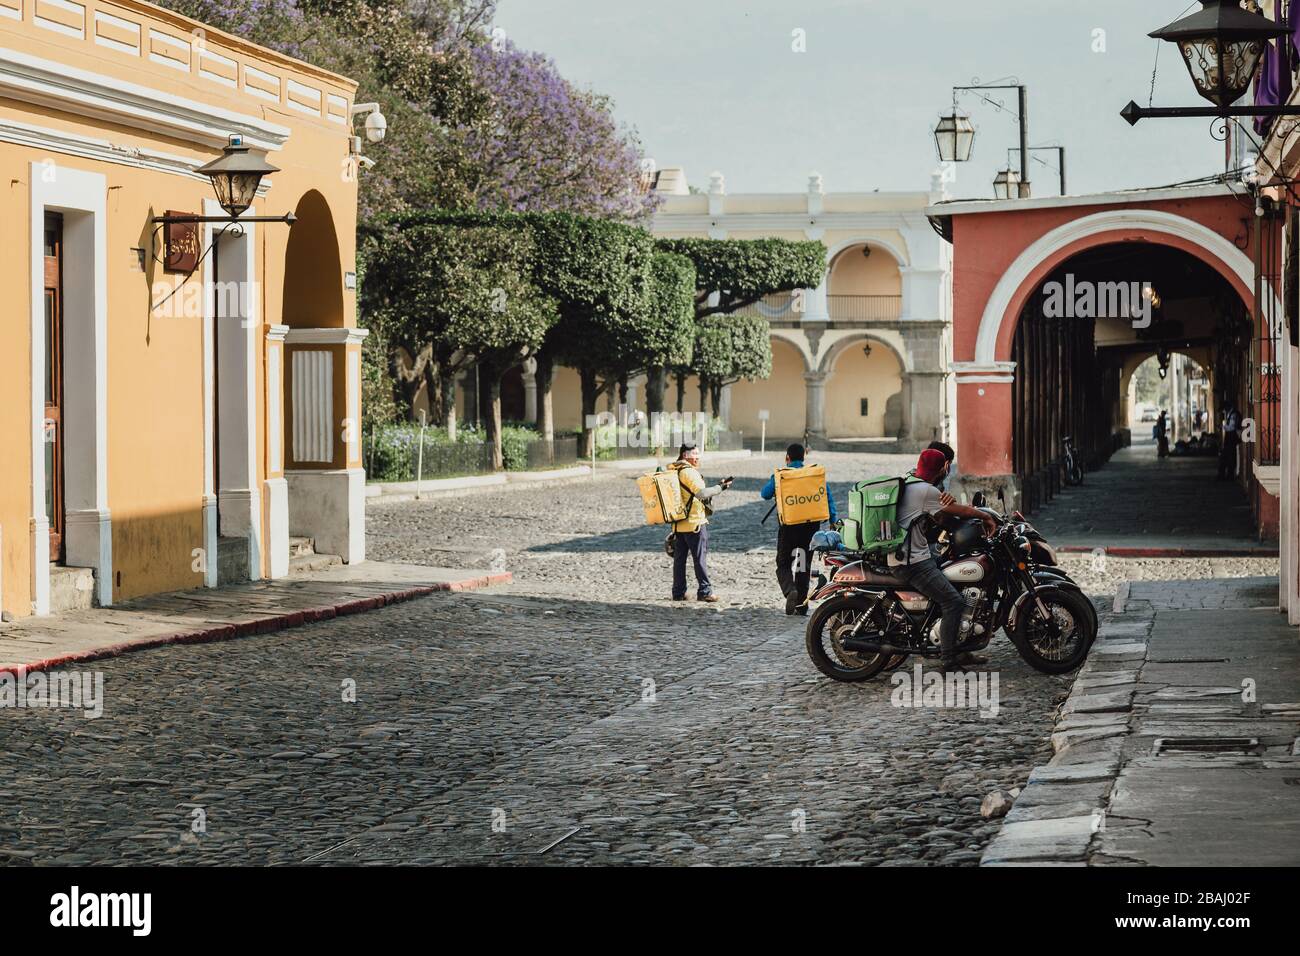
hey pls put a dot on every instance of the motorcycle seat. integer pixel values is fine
(882, 577)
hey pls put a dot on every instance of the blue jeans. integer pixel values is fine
(926, 577)
(695, 544)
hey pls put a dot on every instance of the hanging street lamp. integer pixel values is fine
(1221, 45)
(236, 176)
(955, 136)
(1006, 185)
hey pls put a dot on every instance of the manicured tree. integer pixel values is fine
(729, 348)
(734, 273)
(668, 333)
(464, 291)
(597, 271)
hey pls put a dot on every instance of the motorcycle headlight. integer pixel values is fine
(1021, 542)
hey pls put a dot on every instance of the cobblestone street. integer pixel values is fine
(576, 705)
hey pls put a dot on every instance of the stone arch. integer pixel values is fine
(866, 395)
(782, 394)
(313, 273)
(865, 338)
(1002, 311)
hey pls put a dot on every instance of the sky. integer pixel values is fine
(717, 85)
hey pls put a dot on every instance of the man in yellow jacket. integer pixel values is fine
(691, 534)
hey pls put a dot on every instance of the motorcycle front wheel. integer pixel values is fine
(1058, 645)
(828, 627)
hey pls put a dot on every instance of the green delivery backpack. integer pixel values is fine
(872, 525)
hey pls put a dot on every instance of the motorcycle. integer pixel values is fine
(869, 620)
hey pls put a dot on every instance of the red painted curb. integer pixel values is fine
(1124, 552)
(264, 625)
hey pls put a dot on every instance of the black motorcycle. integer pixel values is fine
(869, 620)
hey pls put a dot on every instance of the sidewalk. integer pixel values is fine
(218, 614)
(1139, 505)
(468, 484)
(1178, 743)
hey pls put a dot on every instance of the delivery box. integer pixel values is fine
(661, 497)
(801, 495)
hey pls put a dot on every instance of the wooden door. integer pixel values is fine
(54, 510)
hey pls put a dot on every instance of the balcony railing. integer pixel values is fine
(864, 308)
(841, 308)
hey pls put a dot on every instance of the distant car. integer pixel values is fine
(1148, 413)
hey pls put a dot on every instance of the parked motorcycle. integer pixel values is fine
(869, 620)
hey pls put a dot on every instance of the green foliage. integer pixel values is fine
(742, 271)
(391, 451)
(515, 440)
(729, 348)
(464, 289)
(670, 332)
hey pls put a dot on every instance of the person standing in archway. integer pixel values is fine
(1231, 441)
(1161, 432)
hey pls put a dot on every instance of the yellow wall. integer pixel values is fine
(855, 376)
(783, 395)
(855, 274)
(155, 365)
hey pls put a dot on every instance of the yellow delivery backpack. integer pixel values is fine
(801, 495)
(661, 497)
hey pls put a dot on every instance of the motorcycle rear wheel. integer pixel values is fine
(1073, 616)
(839, 614)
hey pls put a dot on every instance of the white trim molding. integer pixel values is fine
(1112, 220)
(82, 197)
(341, 336)
(984, 372)
(81, 92)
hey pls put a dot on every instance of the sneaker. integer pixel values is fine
(951, 665)
(791, 603)
(682, 598)
(802, 610)
(972, 660)
(709, 598)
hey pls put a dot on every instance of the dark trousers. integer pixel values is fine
(926, 577)
(1228, 455)
(695, 544)
(792, 559)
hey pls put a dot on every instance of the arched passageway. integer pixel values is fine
(1092, 319)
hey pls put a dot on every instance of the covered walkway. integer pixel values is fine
(1141, 502)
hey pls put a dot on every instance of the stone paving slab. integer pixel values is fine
(39, 643)
(1214, 664)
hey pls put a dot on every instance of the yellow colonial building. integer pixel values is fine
(176, 397)
(860, 361)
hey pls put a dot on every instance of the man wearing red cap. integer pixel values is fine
(917, 567)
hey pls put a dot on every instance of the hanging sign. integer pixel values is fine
(182, 245)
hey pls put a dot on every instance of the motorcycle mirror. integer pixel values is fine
(978, 500)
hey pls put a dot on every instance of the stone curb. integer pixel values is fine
(260, 625)
(1064, 803)
(1125, 552)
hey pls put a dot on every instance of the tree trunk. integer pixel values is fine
(490, 377)
(590, 392)
(681, 391)
(715, 400)
(623, 410)
(406, 381)
(704, 397)
(449, 403)
(654, 390)
(544, 377)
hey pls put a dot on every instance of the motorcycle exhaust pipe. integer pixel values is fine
(860, 646)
